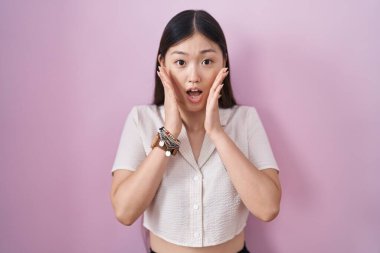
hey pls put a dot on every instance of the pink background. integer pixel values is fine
(71, 70)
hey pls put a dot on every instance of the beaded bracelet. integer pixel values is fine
(166, 141)
(165, 133)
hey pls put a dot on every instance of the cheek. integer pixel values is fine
(177, 77)
(210, 78)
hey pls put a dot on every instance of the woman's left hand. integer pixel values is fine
(212, 120)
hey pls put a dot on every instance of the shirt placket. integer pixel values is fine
(197, 208)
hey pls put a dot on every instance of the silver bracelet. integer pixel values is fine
(171, 143)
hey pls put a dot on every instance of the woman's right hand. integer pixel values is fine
(173, 121)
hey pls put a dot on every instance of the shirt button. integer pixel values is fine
(196, 206)
(196, 235)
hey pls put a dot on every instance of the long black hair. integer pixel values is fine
(182, 26)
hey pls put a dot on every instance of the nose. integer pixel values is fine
(194, 76)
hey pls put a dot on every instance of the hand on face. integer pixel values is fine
(173, 122)
(212, 120)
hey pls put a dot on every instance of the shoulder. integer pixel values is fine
(147, 117)
(237, 115)
(246, 109)
(144, 108)
(139, 112)
(245, 112)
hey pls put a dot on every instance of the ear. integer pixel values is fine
(161, 60)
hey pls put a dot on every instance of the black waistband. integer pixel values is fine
(243, 250)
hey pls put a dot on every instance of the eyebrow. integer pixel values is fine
(202, 51)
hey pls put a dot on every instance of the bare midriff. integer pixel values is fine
(234, 245)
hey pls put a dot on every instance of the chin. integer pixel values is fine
(190, 107)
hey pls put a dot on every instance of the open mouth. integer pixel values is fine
(194, 94)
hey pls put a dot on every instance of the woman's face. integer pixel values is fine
(193, 65)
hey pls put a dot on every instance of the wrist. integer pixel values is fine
(216, 134)
(166, 141)
(172, 130)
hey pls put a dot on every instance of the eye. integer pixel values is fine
(207, 62)
(180, 62)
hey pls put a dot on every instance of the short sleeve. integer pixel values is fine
(260, 151)
(130, 152)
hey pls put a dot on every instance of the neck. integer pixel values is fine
(194, 121)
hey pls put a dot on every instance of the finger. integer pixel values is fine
(162, 75)
(215, 97)
(217, 91)
(166, 81)
(165, 75)
(219, 79)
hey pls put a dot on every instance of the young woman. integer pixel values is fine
(194, 162)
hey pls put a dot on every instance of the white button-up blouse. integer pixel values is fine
(196, 204)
